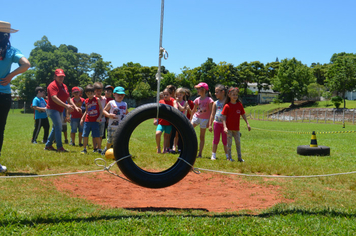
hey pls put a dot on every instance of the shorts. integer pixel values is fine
(64, 127)
(219, 129)
(202, 122)
(164, 128)
(102, 128)
(75, 125)
(111, 133)
(93, 127)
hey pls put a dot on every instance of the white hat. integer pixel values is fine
(5, 27)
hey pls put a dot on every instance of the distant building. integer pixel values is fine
(265, 95)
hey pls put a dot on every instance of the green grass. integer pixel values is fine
(322, 206)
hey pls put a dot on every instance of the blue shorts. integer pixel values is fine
(93, 127)
(75, 125)
(164, 128)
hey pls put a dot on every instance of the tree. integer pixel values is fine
(319, 72)
(293, 79)
(259, 75)
(341, 76)
(245, 75)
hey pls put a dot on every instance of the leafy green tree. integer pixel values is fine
(341, 76)
(99, 67)
(315, 90)
(272, 69)
(245, 75)
(259, 75)
(293, 79)
(319, 72)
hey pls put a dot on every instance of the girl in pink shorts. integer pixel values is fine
(215, 121)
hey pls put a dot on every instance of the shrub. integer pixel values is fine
(337, 100)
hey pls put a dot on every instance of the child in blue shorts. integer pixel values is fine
(91, 118)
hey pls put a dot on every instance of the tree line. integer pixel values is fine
(290, 77)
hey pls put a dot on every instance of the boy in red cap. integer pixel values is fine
(75, 117)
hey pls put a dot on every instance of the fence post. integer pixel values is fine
(353, 117)
(283, 116)
(343, 118)
(325, 116)
(303, 116)
(295, 116)
(317, 116)
(333, 116)
(24, 107)
(309, 115)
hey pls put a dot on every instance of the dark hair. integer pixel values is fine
(229, 91)
(39, 89)
(4, 43)
(222, 88)
(98, 85)
(171, 88)
(89, 88)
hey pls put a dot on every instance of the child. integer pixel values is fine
(163, 125)
(183, 106)
(232, 111)
(41, 119)
(201, 112)
(65, 119)
(91, 118)
(108, 96)
(216, 120)
(75, 117)
(98, 89)
(115, 111)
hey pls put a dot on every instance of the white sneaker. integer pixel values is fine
(213, 157)
(3, 169)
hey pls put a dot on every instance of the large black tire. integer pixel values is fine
(155, 179)
(306, 150)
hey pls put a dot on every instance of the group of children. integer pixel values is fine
(96, 114)
(222, 116)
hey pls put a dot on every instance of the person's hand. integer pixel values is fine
(112, 116)
(5, 81)
(81, 122)
(77, 109)
(155, 122)
(69, 108)
(248, 127)
(226, 130)
(210, 128)
(98, 120)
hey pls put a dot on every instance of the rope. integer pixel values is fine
(294, 132)
(198, 171)
(105, 168)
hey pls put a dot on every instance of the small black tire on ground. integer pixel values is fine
(306, 150)
(169, 176)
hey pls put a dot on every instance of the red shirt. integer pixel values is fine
(92, 109)
(60, 91)
(108, 100)
(191, 105)
(170, 103)
(79, 104)
(233, 113)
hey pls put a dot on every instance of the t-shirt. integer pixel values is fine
(62, 93)
(191, 105)
(119, 109)
(13, 55)
(39, 102)
(170, 103)
(203, 111)
(219, 107)
(103, 104)
(233, 113)
(74, 114)
(93, 109)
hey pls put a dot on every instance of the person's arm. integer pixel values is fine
(24, 65)
(212, 115)
(106, 112)
(83, 118)
(40, 109)
(100, 112)
(59, 102)
(193, 111)
(70, 101)
(248, 125)
(224, 123)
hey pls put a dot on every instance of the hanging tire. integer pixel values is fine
(306, 150)
(169, 176)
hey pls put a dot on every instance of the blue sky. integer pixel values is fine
(233, 31)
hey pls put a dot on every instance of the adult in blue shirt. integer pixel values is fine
(8, 55)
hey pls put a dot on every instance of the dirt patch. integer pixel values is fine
(207, 192)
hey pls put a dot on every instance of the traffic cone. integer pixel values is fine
(313, 142)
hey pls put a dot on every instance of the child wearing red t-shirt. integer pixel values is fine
(75, 117)
(91, 118)
(163, 125)
(231, 113)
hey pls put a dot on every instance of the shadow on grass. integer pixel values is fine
(180, 214)
(164, 209)
(19, 174)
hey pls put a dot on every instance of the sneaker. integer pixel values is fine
(66, 141)
(34, 142)
(99, 151)
(50, 148)
(3, 169)
(95, 150)
(213, 157)
(241, 160)
(103, 152)
(84, 151)
(71, 143)
(44, 141)
(80, 145)
(231, 159)
(61, 149)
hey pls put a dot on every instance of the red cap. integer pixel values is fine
(59, 72)
(75, 89)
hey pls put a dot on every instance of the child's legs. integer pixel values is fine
(74, 124)
(229, 143)
(72, 137)
(86, 131)
(111, 133)
(95, 131)
(217, 131)
(158, 140)
(45, 124)
(236, 135)
(166, 141)
(202, 141)
(85, 142)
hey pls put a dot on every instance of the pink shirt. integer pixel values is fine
(203, 111)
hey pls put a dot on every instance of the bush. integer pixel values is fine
(337, 100)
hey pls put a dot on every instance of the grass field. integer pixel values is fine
(320, 206)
